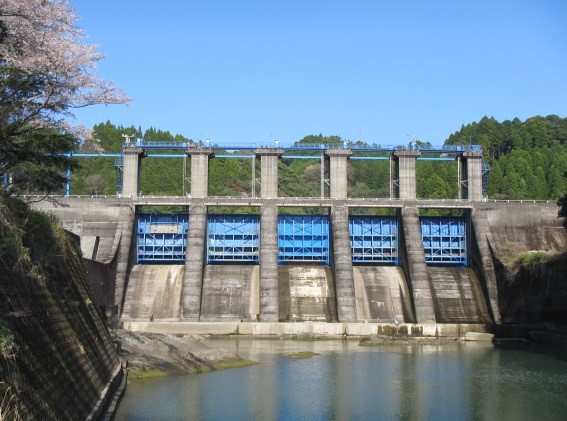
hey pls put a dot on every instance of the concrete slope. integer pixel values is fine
(230, 292)
(457, 296)
(382, 294)
(306, 293)
(154, 292)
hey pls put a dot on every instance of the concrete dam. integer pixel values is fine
(271, 266)
(138, 268)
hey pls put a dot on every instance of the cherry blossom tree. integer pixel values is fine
(47, 69)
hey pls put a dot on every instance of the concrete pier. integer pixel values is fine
(194, 262)
(126, 228)
(472, 175)
(338, 172)
(269, 264)
(414, 266)
(199, 171)
(405, 171)
(269, 170)
(132, 165)
(342, 256)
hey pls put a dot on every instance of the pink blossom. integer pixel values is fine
(40, 38)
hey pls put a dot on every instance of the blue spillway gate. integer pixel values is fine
(444, 240)
(233, 238)
(161, 238)
(303, 238)
(374, 239)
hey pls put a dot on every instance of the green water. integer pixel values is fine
(458, 381)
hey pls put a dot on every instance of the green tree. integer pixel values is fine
(95, 183)
(495, 181)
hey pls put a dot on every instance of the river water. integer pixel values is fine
(456, 381)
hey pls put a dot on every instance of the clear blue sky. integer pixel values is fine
(379, 71)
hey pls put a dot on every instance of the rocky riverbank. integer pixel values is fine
(157, 355)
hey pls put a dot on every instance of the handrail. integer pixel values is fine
(286, 198)
(299, 146)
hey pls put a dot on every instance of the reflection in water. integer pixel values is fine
(411, 382)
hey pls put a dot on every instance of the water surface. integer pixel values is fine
(457, 381)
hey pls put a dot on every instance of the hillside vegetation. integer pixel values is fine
(527, 161)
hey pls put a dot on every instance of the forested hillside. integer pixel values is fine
(527, 160)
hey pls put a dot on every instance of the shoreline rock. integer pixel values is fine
(157, 355)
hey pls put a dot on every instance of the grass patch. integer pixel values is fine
(299, 355)
(532, 257)
(225, 365)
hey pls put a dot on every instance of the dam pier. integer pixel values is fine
(333, 272)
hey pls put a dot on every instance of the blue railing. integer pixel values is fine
(299, 146)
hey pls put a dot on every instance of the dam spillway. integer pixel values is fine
(229, 258)
(107, 228)
(154, 292)
(230, 292)
(382, 294)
